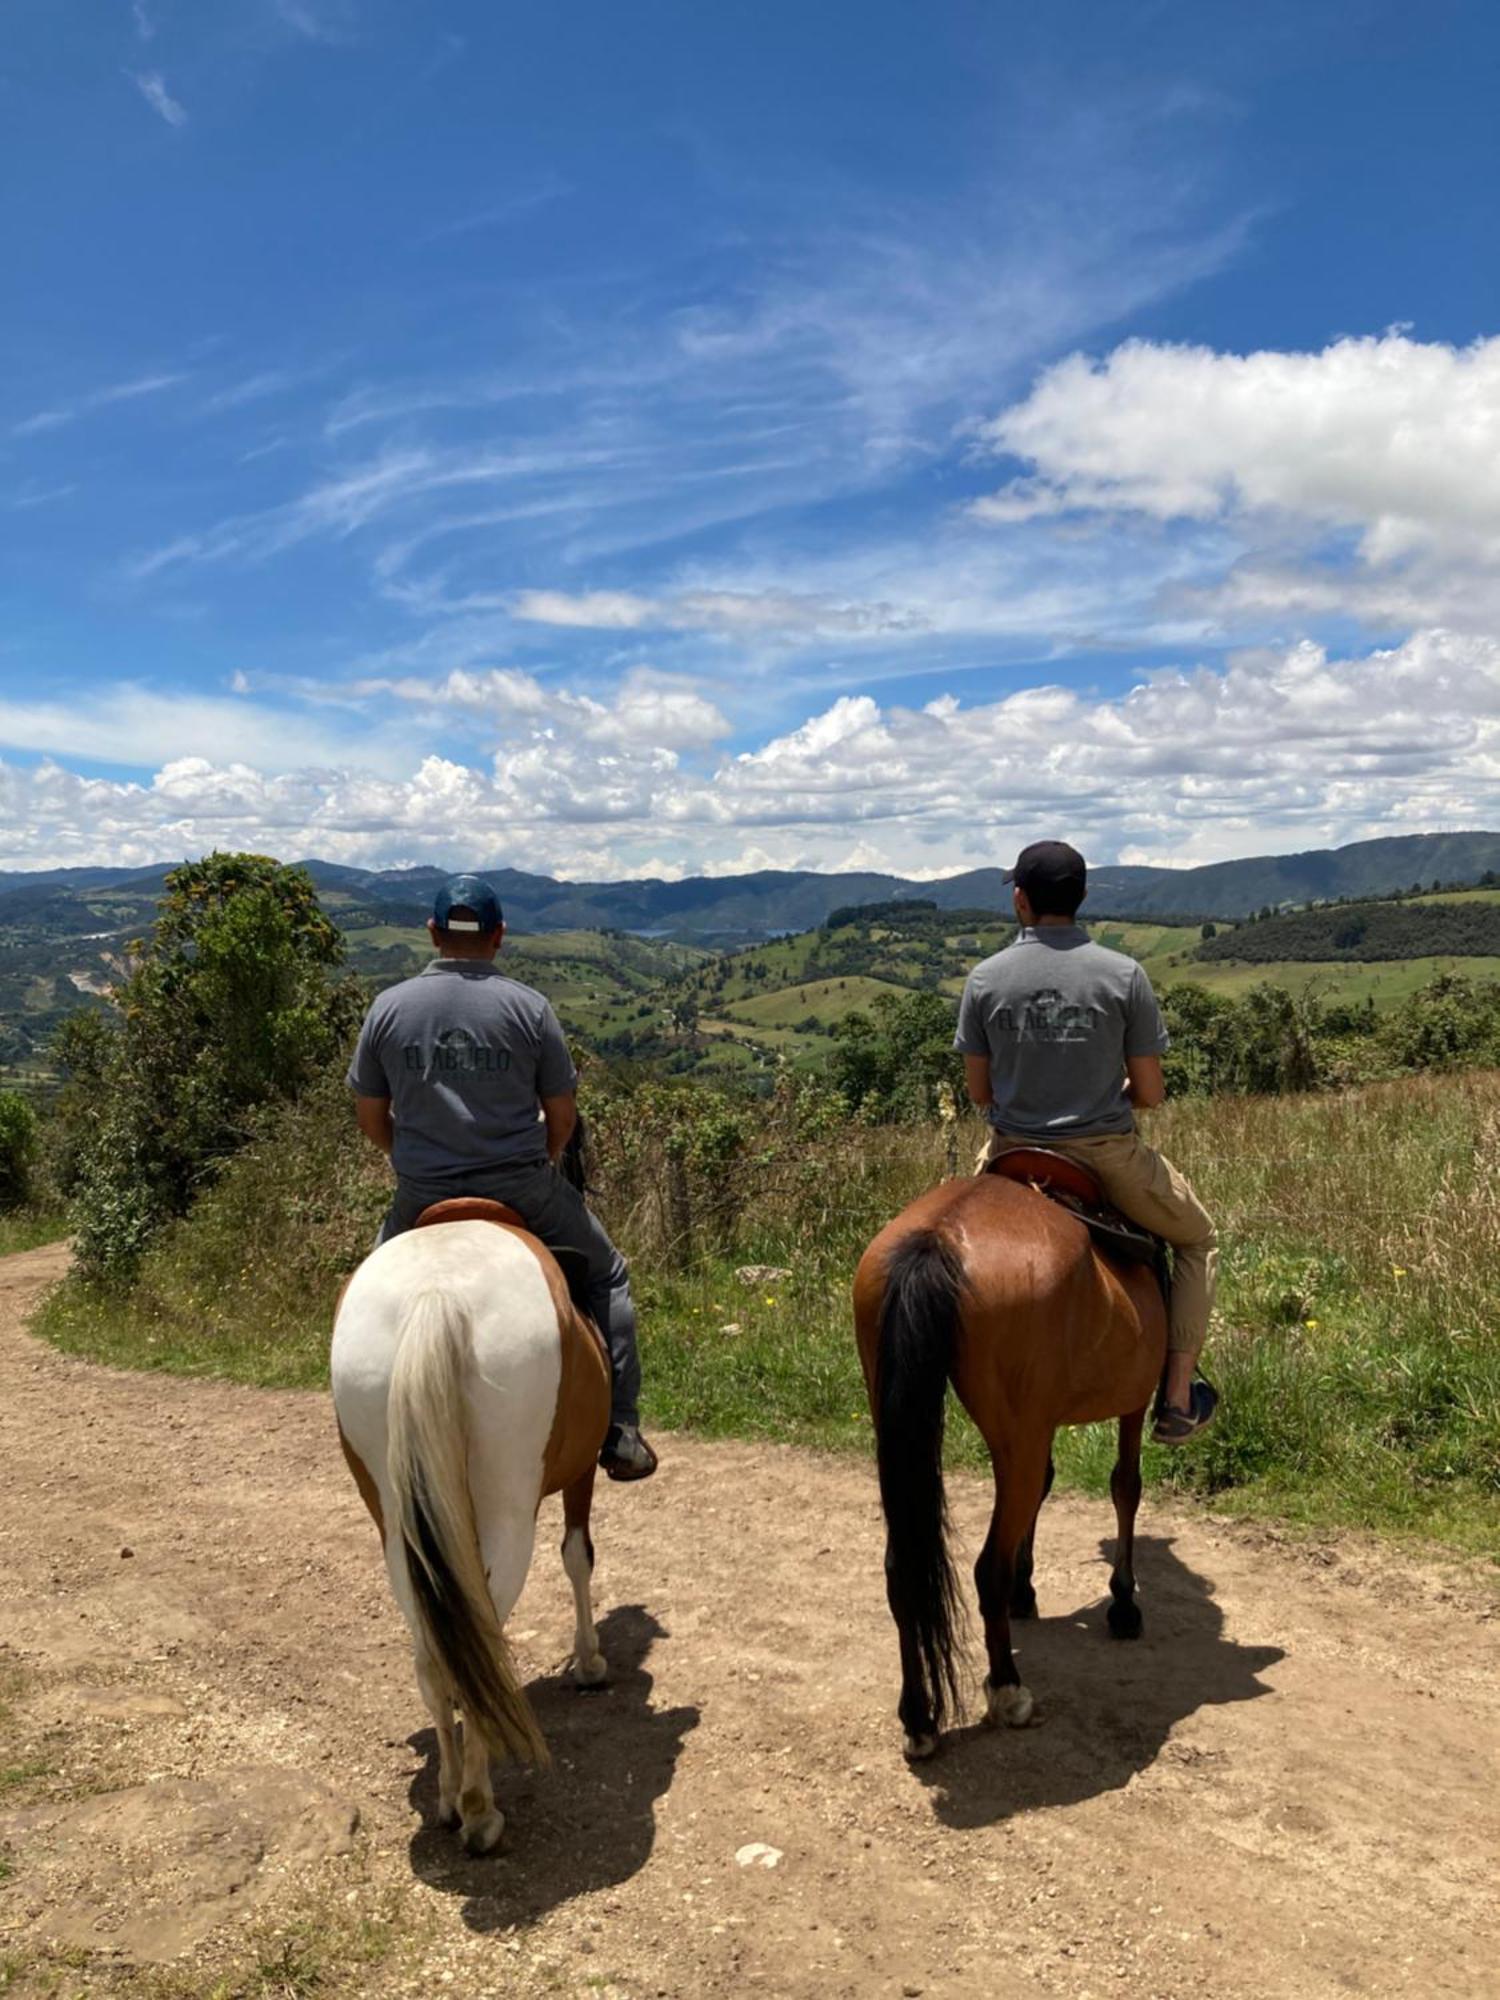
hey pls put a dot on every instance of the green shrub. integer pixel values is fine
(234, 1003)
(18, 1150)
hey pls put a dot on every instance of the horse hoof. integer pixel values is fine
(1125, 1621)
(448, 1814)
(483, 1836)
(592, 1673)
(1011, 1707)
(916, 1748)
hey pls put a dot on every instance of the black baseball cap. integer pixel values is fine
(467, 892)
(1050, 865)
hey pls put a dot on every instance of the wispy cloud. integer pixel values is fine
(253, 389)
(152, 86)
(97, 399)
(318, 20)
(34, 494)
(145, 27)
(507, 208)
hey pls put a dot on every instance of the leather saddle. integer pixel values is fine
(573, 1263)
(1074, 1188)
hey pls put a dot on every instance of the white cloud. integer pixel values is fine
(152, 86)
(1279, 749)
(666, 711)
(1388, 449)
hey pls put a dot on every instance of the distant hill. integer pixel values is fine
(772, 902)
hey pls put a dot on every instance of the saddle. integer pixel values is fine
(573, 1263)
(1074, 1188)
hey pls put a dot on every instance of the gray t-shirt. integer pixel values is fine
(1057, 1015)
(465, 1055)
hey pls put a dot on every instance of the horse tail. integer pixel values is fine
(427, 1462)
(924, 1287)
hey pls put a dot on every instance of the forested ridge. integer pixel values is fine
(1363, 933)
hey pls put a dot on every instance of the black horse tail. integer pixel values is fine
(924, 1287)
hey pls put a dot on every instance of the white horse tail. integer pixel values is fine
(427, 1463)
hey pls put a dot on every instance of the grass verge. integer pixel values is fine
(29, 1228)
(1357, 1339)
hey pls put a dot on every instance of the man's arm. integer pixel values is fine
(561, 1115)
(374, 1115)
(1145, 1082)
(977, 1077)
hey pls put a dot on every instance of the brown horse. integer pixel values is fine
(989, 1284)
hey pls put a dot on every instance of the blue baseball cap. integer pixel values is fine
(467, 892)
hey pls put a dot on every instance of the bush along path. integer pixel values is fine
(216, 1779)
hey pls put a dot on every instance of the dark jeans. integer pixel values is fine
(556, 1212)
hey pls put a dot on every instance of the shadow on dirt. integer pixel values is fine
(587, 1824)
(1107, 1706)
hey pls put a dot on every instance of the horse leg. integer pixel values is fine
(1125, 1490)
(1018, 1494)
(483, 1820)
(920, 1737)
(1022, 1595)
(439, 1699)
(590, 1669)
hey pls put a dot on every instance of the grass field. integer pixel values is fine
(829, 999)
(1357, 1340)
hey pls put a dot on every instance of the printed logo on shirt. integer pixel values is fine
(1048, 1017)
(455, 1051)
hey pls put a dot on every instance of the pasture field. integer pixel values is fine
(829, 1000)
(1357, 1339)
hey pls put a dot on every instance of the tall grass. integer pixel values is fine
(1356, 1342)
(28, 1228)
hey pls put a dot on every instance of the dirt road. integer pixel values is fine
(219, 1770)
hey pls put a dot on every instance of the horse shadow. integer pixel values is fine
(590, 1822)
(1107, 1706)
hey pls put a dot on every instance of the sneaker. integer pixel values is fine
(626, 1454)
(1175, 1426)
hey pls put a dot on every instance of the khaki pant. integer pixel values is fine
(1146, 1186)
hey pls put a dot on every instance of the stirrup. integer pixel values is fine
(1174, 1426)
(626, 1454)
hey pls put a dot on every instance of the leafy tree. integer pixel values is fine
(236, 1001)
(890, 1062)
(18, 1149)
(82, 1050)
(1450, 1023)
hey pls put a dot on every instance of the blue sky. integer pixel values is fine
(672, 438)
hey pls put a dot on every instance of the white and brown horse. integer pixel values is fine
(467, 1387)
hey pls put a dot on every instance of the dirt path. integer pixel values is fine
(219, 1762)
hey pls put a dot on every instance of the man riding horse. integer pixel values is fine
(1062, 1042)
(463, 1079)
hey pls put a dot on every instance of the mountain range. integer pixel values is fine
(726, 908)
